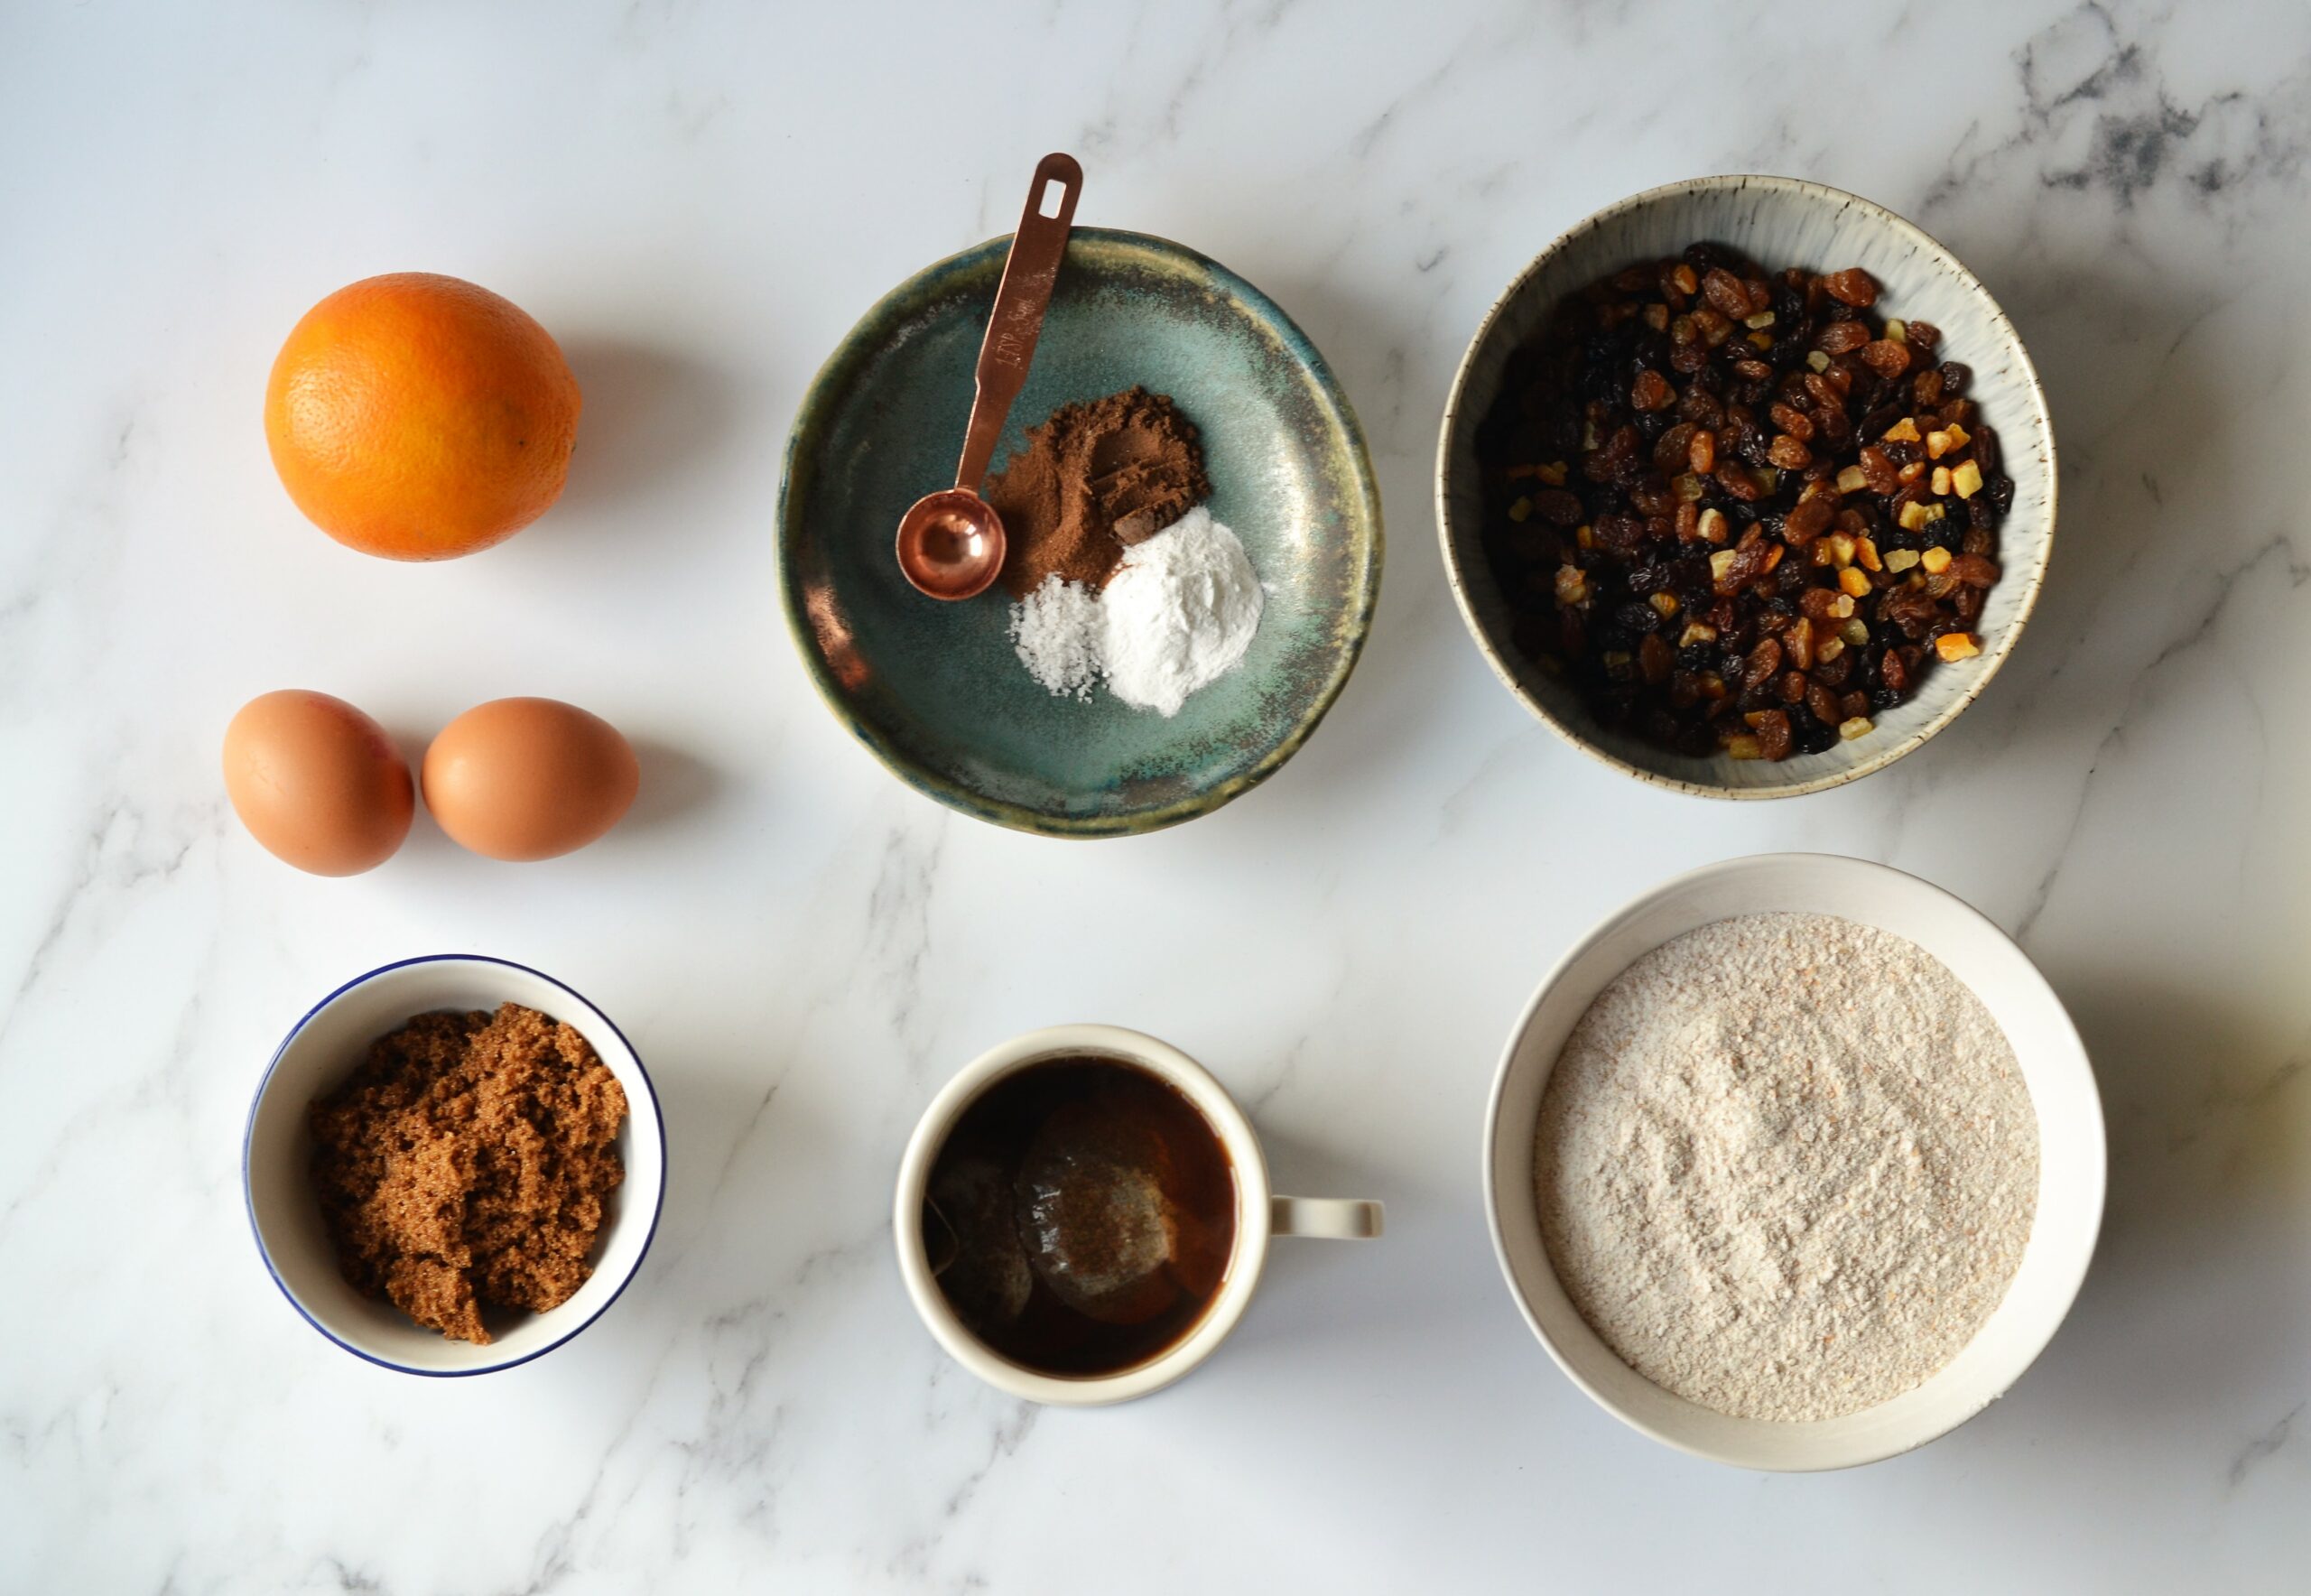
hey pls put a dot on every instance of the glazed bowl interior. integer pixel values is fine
(2055, 1068)
(318, 1055)
(1778, 222)
(935, 690)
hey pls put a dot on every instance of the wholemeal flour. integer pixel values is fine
(1786, 1166)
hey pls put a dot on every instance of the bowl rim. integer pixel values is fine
(2070, 1282)
(1353, 628)
(1993, 658)
(248, 1136)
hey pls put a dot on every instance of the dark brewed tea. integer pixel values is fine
(1081, 1216)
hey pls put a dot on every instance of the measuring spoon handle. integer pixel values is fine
(1018, 316)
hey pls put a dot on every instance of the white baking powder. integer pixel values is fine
(1786, 1166)
(1179, 614)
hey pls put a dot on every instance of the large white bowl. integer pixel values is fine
(2071, 1156)
(320, 1050)
(1779, 222)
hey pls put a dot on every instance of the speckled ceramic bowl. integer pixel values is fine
(935, 690)
(1780, 222)
(2072, 1164)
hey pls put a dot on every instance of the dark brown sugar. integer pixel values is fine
(466, 1164)
(1096, 479)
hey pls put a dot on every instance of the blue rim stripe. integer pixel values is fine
(248, 1136)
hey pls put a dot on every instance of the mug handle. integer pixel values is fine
(1333, 1219)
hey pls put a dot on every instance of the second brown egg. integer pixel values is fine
(528, 778)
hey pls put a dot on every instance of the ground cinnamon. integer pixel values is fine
(1096, 479)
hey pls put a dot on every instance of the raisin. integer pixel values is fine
(1925, 388)
(1700, 406)
(1670, 448)
(1764, 662)
(1974, 570)
(1788, 453)
(1651, 391)
(1822, 704)
(1887, 358)
(1772, 732)
(1798, 643)
(1853, 706)
(1877, 469)
(1700, 454)
(1854, 286)
(1793, 420)
(1748, 562)
(1955, 376)
(1809, 520)
(1988, 454)
(1842, 338)
(1923, 334)
(1653, 658)
(1621, 535)
(1725, 293)
(1908, 608)
(1558, 507)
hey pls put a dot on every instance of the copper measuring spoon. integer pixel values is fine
(952, 543)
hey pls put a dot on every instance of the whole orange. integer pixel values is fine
(419, 417)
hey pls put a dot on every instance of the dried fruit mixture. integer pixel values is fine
(1740, 512)
(466, 1164)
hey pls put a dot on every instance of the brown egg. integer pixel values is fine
(316, 782)
(528, 778)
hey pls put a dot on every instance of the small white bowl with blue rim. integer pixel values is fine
(320, 1050)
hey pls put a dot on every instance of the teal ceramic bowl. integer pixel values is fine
(934, 688)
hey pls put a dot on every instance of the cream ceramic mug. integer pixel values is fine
(1260, 1213)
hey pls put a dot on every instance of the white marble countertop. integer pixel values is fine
(699, 198)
